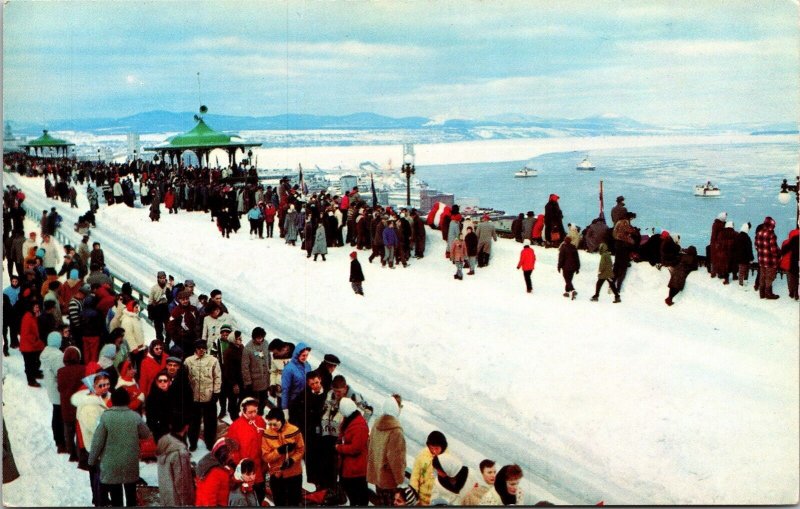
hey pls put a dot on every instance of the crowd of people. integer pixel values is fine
(728, 254)
(118, 399)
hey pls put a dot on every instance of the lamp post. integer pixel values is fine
(249, 158)
(784, 197)
(408, 169)
(98, 155)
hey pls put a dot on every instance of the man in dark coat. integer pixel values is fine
(553, 224)
(183, 323)
(516, 227)
(418, 234)
(308, 407)
(619, 211)
(569, 264)
(180, 391)
(743, 252)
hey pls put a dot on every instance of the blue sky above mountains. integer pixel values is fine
(668, 63)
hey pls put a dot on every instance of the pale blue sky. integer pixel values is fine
(669, 63)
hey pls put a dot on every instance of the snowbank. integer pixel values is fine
(631, 403)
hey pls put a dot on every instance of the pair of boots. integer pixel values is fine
(315, 256)
(617, 300)
(766, 293)
(573, 293)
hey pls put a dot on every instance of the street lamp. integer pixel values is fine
(249, 158)
(98, 155)
(408, 169)
(784, 197)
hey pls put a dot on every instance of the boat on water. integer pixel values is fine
(707, 190)
(585, 165)
(526, 172)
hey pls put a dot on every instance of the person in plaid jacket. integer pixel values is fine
(768, 256)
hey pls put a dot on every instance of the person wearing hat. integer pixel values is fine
(553, 222)
(158, 304)
(405, 496)
(151, 365)
(183, 323)
(282, 451)
(293, 380)
(619, 211)
(326, 369)
(352, 449)
(131, 322)
(11, 314)
(180, 390)
(386, 456)
(248, 430)
(232, 383)
(487, 234)
(205, 376)
(214, 474)
(723, 255)
(356, 274)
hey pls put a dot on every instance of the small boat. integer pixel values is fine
(526, 172)
(585, 165)
(707, 190)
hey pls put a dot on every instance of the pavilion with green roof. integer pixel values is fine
(45, 141)
(201, 140)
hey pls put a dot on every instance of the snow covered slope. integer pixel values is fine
(633, 403)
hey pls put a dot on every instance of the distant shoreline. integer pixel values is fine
(485, 151)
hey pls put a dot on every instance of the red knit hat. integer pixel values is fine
(131, 305)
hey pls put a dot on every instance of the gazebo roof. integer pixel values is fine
(45, 140)
(202, 137)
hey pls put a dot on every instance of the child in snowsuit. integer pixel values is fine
(605, 273)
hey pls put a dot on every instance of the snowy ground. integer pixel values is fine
(635, 403)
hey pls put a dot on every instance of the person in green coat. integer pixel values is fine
(605, 273)
(115, 446)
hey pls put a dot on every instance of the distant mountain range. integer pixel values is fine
(167, 121)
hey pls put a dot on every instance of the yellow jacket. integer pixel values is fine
(272, 440)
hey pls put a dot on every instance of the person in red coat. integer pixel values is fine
(247, 431)
(155, 361)
(30, 344)
(169, 202)
(215, 474)
(527, 260)
(352, 448)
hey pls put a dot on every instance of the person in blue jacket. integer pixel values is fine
(256, 218)
(293, 380)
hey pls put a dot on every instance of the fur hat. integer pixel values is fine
(200, 343)
(620, 198)
(161, 273)
(722, 216)
(347, 407)
(745, 227)
(526, 242)
(729, 224)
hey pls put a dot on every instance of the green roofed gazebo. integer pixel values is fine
(46, 141)
(201, 140)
